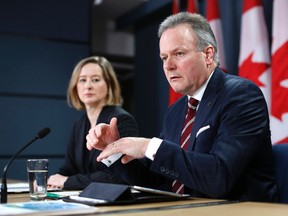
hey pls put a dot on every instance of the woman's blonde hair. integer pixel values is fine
(114, 92)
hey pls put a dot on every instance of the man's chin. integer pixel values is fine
(177, 90)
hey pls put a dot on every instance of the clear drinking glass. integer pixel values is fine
(37, 170)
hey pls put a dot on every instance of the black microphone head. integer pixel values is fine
(43, 133)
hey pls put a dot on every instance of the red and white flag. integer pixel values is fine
(254, 58)
(213, 17)
(173, 96)
(175, 6)
(279, 107)
(192, 6)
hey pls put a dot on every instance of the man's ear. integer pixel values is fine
(209, 51)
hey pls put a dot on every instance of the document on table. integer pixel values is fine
(20, 187)
(45, 208)
(17, 187)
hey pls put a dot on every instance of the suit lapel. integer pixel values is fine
(208, 100)
(82, 138)
(102, 118)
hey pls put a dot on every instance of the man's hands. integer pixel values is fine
(130, 147)
(102, 134)
(106, 138)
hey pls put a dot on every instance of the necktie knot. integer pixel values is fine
(192, 103)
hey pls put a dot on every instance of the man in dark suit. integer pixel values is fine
(229, 155)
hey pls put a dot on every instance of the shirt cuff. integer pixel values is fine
(153, 147)
(111, 159)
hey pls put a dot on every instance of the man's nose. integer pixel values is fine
(169, 64)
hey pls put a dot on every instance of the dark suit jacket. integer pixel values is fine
(80, 164)
(230, 152)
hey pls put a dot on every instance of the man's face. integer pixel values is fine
(185, 68)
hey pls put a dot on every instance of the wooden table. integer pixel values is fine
(192, 207)
(235, 209)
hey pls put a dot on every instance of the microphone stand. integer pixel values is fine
(41, 134)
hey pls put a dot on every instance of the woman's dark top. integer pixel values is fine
(80, 164)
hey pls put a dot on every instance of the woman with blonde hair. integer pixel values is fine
(94, 88)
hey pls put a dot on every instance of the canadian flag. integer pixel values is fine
(175, 6)
(213, 17)
(254, 58)
(192, 7)
(173, 96)
(279, 107)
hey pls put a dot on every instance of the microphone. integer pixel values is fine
(42, 133)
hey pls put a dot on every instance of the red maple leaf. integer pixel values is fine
(279, 73)
(253, 70)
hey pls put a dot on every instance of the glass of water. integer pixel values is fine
(37, 170)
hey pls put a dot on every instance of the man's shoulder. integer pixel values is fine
(235, 81)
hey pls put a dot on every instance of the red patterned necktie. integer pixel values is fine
(177, 186)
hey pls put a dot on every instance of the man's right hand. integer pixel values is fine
(102, 134)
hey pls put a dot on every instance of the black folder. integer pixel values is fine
(98, 194)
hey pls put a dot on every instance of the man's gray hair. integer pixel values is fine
(203, 33)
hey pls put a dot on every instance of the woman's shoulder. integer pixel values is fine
(108, 112)
(114, 110)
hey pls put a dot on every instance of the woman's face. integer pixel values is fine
(91, 86)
